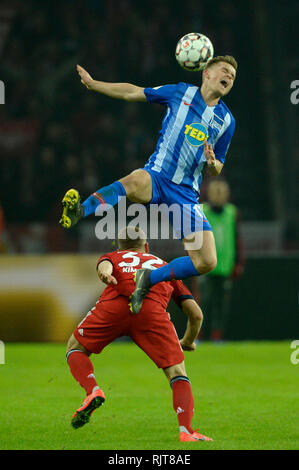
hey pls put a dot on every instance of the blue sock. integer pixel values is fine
(106, 195)
(179, 268)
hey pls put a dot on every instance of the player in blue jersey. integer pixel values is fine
(196, 132)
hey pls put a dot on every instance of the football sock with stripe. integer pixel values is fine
(179, 268)
(183, 401)
(108, 195)
(82, 370)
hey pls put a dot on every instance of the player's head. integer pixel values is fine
(132, 238)
(219, 74)
(218, 192)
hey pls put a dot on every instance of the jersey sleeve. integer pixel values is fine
(223, 143)
(160, 94)
(106, 257)
(180, 292)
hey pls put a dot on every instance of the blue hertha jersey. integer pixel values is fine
(188, 121)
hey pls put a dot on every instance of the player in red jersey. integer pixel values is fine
(151, 329)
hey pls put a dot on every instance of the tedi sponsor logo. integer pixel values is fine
(196, 133)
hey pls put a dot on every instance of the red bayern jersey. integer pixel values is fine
(126, 263)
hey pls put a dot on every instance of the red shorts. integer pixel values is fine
(151, 329)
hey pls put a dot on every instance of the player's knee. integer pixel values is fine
(212, 263)
(73, 344)
(206, 265)
(175, 371)
(204, 262)
(199, 315)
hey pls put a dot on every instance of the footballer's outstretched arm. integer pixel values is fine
(195, 319)
(121, 91)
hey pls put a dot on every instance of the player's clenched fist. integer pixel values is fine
(86, 79)
(187, 347)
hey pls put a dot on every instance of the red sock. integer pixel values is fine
(82, 370)
(183, 402)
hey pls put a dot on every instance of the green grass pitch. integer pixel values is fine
(246, 397)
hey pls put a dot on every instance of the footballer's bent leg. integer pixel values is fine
(137, 186)
(82, 370)
(183, 402)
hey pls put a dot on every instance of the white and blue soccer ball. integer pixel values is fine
(193, 51)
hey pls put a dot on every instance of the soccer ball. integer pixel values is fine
(193, 51)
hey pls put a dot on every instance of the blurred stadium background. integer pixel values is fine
(54, 135)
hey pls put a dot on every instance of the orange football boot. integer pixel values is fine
(89, 405)
(185, 436)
